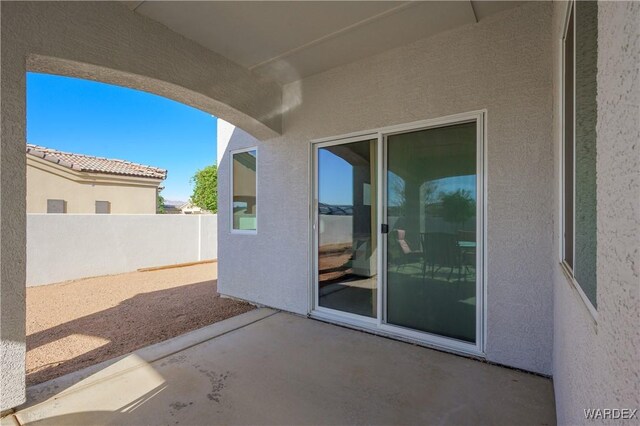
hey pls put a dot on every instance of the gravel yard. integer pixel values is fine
(75, 324)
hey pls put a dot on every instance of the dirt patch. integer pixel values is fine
(75, 324)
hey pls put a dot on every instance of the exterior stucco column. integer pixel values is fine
(12, 222)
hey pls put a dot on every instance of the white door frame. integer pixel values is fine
(378, 325)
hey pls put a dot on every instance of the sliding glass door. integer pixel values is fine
(347, 237)
(397, 226)
(431, 247)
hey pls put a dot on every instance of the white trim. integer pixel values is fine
(242, 231)
(434, 340)
(381, 214)
(348, 317)
(573, 167)
(576, 286)
(311, 240)
(395, 332)
(313, 261)
(378, 325)
(481, 232)
(400, 128)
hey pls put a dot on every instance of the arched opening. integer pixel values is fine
(262, 127)
(109, 269)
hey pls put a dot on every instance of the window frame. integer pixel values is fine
(232, 153)
(565, 266)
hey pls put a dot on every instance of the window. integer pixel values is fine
(103, 207)
(579, 147)
(56, 206)
(244, 190)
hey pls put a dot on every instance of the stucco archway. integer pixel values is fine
(103, 41)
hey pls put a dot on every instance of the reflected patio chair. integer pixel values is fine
(407, 255)
(440, 250)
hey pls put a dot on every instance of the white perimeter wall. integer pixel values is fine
(504, 64)
(335, 229)
(64, 247)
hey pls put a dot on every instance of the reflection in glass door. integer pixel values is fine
(346, 228)
(431, 245)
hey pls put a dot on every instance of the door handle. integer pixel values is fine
(384, 228)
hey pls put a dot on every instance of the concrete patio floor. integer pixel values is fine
(269, 367)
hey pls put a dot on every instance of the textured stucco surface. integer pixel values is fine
(596, 364)
(503, 64)
(108, 42)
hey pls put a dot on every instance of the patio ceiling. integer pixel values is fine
(291, 40)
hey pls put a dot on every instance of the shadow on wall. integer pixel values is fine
(139, 321)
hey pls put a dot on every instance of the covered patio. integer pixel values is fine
(542, 276)
(266, 367)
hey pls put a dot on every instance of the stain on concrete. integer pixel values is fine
(218, 383)
(174, 360)
(178, 405)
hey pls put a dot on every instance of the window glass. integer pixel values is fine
(432, 240)
(580, 118)
(347, 228)
(244, 166)
(586, 21)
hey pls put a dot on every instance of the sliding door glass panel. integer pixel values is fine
(432, 240)
(347, 225)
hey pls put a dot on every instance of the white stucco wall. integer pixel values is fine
(103, 41)
(63, 247)
(596, 362)
(503, 64)
(224, 130)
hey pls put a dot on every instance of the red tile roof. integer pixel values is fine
(87, 163)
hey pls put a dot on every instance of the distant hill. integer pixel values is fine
(174, 203)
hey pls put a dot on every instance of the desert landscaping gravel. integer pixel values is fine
(76, 324)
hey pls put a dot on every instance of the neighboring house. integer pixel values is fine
(172, 207)
(64, 182)
(183, 207)
(190, 208)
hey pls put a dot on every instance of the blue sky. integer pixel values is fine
(110, 121)
(335, 184)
